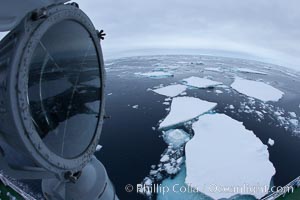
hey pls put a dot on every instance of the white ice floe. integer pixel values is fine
(256, 89)
(200, 82)
(246, 70)
(176, 137)
(156, 74)
(224, 153)
(184, 109)
(98, 147)
(165, 158)
(214, 69)
(271, 142)
(218, 91)
(171, 90)
(293, 114)
(135, 106)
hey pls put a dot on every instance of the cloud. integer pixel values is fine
(266, 29)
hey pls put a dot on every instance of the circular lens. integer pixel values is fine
(64, 89)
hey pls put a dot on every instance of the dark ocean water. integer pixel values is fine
(131, 146)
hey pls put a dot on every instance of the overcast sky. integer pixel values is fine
(264, 29)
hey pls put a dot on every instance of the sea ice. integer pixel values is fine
(258, 90)
(214, 69)
(135, 106)
(200, 82)
(271, 142)
(98, 147)
(155, 74)
(224, 153)
(176, 137)
(171, 90)
(245, 70)
(184, 109)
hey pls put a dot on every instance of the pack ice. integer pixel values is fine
(256, 89)
(224, 154)
(200, 82)
(184, 109)
(155, 74)
(171, 90)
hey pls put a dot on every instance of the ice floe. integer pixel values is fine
(213, 69)
(135, 106)
(171, 90)
(176, 137)
(98, 147)
(256, 89)
(225, 154)
(200, 82)
(271, 142)
(246, 70)
(184, 109)
(155, 74)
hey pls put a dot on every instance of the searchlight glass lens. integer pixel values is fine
(64, 89)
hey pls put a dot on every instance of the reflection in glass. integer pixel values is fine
(64, 89)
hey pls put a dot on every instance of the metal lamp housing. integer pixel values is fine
(16, 124)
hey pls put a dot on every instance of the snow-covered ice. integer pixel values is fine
(176, 137)
(271, 142)
(184, 109)
(98, 147)
(293, 114)
(171, 90)
(156, 74)
(165, 158)
(224, 153)
(258, 90)
(200, 82)
(214, 69)
(135, 106)
(246, 70)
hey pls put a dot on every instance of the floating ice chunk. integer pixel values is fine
(109, 94)
(258, 90)
(231, 107)
(200, 82)
(245, 70)
(171, 90)
(166, 103)
(271, 142)
(176, 137)
(224, 153)
(184, 109)
(98, 147)
(135, 106)
(293, 114)
(165, 158)
(214, 69)
(218, 91)
(294, 122)
(155, 74)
